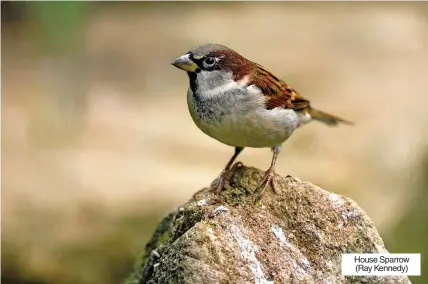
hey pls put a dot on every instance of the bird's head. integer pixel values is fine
(212, 65)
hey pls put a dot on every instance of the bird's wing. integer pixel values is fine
(277, 92)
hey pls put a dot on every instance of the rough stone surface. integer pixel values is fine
(295, 236)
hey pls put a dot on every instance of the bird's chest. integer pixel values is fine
(216, 110)
(240, 119)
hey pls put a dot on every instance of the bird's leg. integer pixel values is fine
(224, 176)
(269, 177)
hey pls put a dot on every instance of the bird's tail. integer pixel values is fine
(327, 118)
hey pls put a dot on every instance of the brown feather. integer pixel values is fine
(277, 92)
(233, 61)
(327, 118)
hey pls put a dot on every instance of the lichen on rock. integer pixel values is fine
(296, 236)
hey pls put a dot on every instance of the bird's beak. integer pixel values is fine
(185, 63)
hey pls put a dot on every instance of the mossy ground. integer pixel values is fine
(336, 224)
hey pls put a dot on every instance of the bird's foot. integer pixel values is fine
(268, 179)
(224, 177)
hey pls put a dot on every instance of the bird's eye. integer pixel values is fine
(209, 61)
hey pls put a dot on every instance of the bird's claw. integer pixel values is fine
(268, 179)
(218, 184)
(224, 177)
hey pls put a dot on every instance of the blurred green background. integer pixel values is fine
(98, 145)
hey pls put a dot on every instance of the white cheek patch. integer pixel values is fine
(225, 85)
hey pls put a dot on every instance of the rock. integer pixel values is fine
(296, 236)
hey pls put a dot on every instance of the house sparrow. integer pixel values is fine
(241, 104)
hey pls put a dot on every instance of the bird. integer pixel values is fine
(242, 104)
